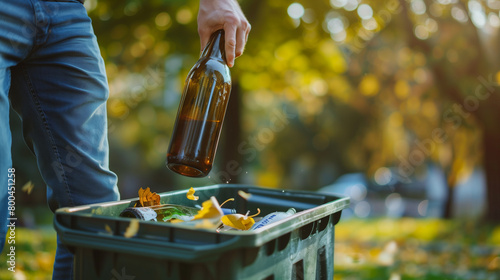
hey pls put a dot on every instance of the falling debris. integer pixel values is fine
(132, 229)
(244, 195)
(108, 229)
(28, 187)
(190, 194)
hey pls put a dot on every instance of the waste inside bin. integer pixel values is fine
(297, 247)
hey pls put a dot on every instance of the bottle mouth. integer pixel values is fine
(186, 170)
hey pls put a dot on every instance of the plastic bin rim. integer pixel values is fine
(339, 204)
(239, 238)
(344, 201)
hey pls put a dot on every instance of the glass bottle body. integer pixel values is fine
(201, 112)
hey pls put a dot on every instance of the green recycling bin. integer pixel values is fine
(298, 247)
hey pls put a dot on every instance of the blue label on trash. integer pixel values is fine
(273, 217)
(265, 221)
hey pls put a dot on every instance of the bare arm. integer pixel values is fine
(227, 15)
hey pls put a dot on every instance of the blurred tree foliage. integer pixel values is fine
(324, 88)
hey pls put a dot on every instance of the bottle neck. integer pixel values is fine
(215, 46)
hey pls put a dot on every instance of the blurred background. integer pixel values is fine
(395, 103)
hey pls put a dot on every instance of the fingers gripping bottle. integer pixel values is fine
(201, 112)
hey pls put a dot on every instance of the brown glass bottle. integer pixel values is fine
(201, 112)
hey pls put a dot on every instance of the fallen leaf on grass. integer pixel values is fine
(494, 264)
(44, 260)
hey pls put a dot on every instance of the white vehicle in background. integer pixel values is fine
(388, 195)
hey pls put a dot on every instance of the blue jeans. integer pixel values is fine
(52, 73)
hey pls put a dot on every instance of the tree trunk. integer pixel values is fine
(448, 207)
(491, 161)
(231, 163)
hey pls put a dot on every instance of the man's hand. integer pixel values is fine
(224, 14)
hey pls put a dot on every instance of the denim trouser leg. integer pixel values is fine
(59, 89)
(14, 45)
(5, 158)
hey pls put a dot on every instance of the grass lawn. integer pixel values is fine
(35, 246)
(364, 249)
(416, 249)
(35, 251)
